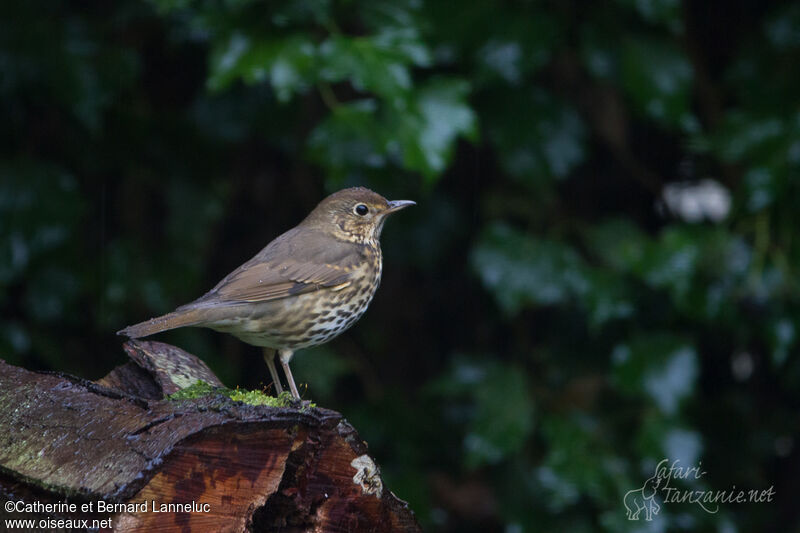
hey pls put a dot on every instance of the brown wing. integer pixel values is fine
(287, 266)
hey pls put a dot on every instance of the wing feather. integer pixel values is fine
(286, 267)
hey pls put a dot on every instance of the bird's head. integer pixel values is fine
(356, 214)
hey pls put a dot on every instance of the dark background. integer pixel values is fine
(549, 326)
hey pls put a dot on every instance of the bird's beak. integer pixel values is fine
(397, 205)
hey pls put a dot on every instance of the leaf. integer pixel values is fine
(673, 262)
(419, 136)
(747, 136)
(350, 137)
(782, 335)
(576, 462)
(660, 436)
(663, 12)
(370, 64)
(782, 29)
(659, 366)
(608, 298)
(520, 270)
(658, 76)
(444, 116)
(499, 410)
(618, 243)
(769, 146)
(503, 417)
(538, 137)
(523, 47)
(287, 64)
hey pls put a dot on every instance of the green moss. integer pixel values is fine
(198, 390)
(201, 389)
(254, 397)
(307, 406)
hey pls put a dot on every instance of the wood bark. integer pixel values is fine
(159, 464)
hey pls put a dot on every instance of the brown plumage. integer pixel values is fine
(304, 288)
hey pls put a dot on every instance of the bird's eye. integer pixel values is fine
(361, 210)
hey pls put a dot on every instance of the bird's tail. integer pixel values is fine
(176, 319)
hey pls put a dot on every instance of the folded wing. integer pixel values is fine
(287, 267)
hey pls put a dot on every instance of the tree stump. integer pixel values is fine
(118, 454)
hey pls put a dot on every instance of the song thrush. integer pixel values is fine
(305, 288)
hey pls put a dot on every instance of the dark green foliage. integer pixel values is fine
(550, 326)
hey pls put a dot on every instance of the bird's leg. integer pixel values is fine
(286, 356)
(269, 357)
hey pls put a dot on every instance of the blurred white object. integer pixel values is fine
(698, 201)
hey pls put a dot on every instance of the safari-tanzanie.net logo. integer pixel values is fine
(643, 503)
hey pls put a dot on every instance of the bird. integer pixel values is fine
(304, 288)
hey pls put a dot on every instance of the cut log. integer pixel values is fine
(117, 454)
